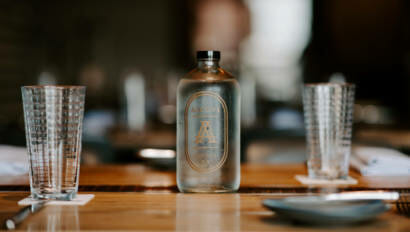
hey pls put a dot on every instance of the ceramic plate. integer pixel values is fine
(318, 211)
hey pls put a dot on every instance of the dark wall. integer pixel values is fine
(66, 37)
(17, 64)
(116, 36)
(369, 42)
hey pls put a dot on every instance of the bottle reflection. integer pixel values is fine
(214, 212)
(55, 218)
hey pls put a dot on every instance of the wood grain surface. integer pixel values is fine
(136, 197)
(180, 212)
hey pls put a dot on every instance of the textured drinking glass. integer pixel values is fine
(53, 117)
(328, 120)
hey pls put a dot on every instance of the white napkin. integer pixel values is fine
(378, 161)
(13, 160)
(305, 180)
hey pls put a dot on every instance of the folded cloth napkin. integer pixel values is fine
(378, 161)
(13, 160)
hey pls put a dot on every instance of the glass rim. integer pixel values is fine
(344, 84)
(54, 87)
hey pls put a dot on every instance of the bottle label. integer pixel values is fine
(206, 131)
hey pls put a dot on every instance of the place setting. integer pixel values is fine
(328, 110)
(53, 118)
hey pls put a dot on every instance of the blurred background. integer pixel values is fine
(131, 55)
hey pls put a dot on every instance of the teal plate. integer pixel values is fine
(314, 210)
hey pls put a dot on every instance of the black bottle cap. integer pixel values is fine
(208, 55)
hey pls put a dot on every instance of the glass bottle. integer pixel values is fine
(208, 128)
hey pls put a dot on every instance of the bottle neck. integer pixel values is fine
(208, 63)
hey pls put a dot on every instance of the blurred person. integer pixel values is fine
(221, 25)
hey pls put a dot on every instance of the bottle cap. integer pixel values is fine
(208, 55)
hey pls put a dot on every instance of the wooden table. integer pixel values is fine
(136, 197)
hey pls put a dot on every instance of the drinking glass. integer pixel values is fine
(328, 111)
(53, 117)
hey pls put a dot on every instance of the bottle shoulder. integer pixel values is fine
(189, 85)
(214, 74)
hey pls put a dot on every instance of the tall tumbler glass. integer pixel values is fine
(328, 110)
(53, 118)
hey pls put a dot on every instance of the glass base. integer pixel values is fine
(66, 196)
(207, 189)
(321, 176)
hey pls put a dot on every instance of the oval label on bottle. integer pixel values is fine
(206, 131)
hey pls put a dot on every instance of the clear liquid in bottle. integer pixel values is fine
(208, 128)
